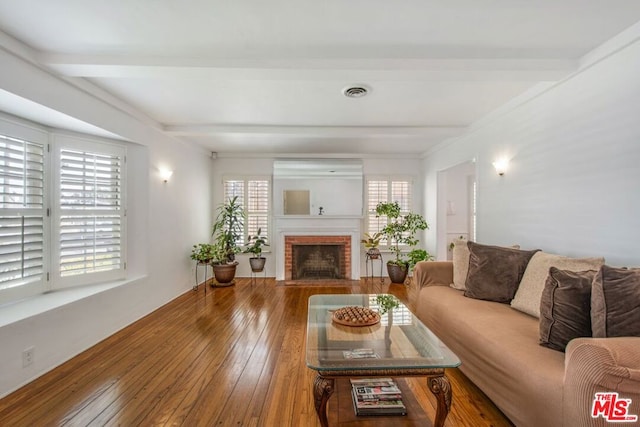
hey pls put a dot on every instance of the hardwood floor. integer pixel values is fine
(234, 357)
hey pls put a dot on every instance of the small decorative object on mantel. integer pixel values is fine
(354, 315)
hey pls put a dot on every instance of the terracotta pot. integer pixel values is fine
(257, 264)
(224, 274)
(397, 273)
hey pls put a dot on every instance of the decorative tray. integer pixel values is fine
(354, 315)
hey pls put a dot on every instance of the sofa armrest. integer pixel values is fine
(429, 273)
(600, 365)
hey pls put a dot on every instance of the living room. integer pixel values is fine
(571, 138)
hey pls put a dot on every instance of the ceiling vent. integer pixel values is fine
(355, 91)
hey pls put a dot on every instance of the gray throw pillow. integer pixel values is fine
(565, 307)
(495, 272)
(615, 303)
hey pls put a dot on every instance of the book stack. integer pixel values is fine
(377, 396)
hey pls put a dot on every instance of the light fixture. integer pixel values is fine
(501, 165)
(165, 174)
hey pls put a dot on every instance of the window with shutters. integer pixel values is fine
(22, 213)
(62, 210)
(89, 216)
(255, 196)
(386, 189)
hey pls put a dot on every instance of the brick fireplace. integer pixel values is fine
(321, 256)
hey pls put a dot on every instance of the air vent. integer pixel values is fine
(355, 91)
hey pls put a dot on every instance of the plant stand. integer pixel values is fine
(370, 258)
(254, 276)
(206, 270)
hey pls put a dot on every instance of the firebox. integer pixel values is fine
(323, 261)
(317, 257)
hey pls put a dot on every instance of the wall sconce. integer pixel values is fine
(501, 165)
(165, 174)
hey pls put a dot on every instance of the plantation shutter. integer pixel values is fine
(377, 192)
(254, 195)
(386, 190)
(22, 212)
(236, 188)
(257, 207)
(91, 212)
(401, 193)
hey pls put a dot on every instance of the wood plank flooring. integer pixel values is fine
(234, 357)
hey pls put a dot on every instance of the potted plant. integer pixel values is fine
(371, 242)
(227, 230)
(254, 246)
(202, 252)
(400, 230)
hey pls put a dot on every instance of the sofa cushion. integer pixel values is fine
(460, 263)
(565, 307)
(495, 272)
(527, 298)
(615, 302)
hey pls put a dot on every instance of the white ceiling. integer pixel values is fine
(237, 76)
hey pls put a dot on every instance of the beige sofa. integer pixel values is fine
(500, 352)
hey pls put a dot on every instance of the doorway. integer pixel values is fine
(456, 206)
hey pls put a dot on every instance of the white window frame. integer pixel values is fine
(370, 213)
(53, 141)
(64, 142)
(40, 137)
(246, 179)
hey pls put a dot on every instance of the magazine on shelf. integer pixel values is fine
(372, 382)
(379, 396)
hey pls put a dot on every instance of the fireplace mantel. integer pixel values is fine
(317, 225)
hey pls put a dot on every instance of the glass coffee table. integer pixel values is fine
(400, 345)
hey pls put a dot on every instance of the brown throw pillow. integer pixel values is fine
(615, 303)
(565, 307)
(495, 272)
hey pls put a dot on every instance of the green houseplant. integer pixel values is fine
(400, 232)
(203, 253)
(254, 246)
(227, 231)
(371, 242)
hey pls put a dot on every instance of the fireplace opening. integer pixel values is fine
(317, 261)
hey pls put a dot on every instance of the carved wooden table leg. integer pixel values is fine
(441, 388)
(322, 391)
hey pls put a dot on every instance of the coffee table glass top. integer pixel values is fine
(399, 341)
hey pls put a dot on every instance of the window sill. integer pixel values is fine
(19, 310)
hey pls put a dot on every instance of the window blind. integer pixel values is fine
(254, 195)
(258, 207)
(91, 214)
(386, 190)
(22, 212)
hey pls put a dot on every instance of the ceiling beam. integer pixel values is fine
(313, 69)
(316, 131)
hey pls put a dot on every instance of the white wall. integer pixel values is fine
(164, 221)
(572, 186)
